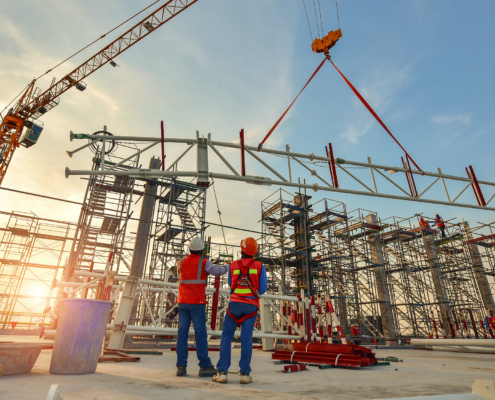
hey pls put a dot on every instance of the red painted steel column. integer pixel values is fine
(476, 187)
(473, 323)
(243, 159)
(214, 306)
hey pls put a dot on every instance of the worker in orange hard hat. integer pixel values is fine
(247, 280)
(424, 224)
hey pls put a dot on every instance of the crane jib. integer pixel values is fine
(33, 104)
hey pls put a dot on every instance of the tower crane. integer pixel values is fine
(21, 125)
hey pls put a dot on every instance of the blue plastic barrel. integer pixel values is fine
(80, 331)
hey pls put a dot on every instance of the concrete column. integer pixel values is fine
(438, 281)
(479, 271)
(381, 281)
(143, 232)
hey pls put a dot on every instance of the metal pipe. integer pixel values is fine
(453, 342)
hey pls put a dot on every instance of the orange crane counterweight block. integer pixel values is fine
(327, 42)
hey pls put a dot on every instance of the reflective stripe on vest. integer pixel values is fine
(251, 271)
(241, 293)
(195, 281)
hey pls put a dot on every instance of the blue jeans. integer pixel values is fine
(238, 310)
(197, 314)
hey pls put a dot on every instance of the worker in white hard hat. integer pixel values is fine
(192, 272)
(440, 223)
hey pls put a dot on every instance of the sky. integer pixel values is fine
(425, 67)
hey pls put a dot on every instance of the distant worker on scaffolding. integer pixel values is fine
(192, 272)
(439, 222)
(247, 280)
(424, 224)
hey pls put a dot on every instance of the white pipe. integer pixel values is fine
(453, 342)
(464, 349)
(208, 290)
(151, 330)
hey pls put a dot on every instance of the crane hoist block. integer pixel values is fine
(327, 42)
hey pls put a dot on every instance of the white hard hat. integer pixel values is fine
(196, 244)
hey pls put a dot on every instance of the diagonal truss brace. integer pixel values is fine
(203, 172)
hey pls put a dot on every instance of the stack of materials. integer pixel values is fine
(339, 355)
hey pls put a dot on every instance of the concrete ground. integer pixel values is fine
(420, 373)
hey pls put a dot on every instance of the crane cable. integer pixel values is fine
(101, 37)
(220, 216)
(307, 19)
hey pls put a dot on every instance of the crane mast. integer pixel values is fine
(33, 104)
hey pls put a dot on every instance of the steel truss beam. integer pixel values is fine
(203, 173)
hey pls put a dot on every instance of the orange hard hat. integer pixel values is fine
(249, 246)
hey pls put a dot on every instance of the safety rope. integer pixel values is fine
(286, 111)
(219, 216)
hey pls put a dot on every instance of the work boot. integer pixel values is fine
(246, 378)
(181, 371)
(220, 377)
(208, 371)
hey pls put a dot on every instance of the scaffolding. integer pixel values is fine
(32, 252)
(179, 217)
(100, 237)
(389, 278)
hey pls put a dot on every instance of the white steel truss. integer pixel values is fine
(285, 178)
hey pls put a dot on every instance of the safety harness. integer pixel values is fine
(244, 280)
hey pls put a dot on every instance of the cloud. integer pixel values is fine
(379, 89)
(445, 119)
(450, 126)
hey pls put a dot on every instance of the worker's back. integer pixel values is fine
(192, 280)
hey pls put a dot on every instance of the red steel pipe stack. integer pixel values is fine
(340, 355)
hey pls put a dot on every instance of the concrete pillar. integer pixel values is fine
(381, 282)
(143, 232)
(479, 271)
(438, 281)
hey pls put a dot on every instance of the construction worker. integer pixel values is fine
(247, 280)
(424, 224)
(192, 272)
(439, 222)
